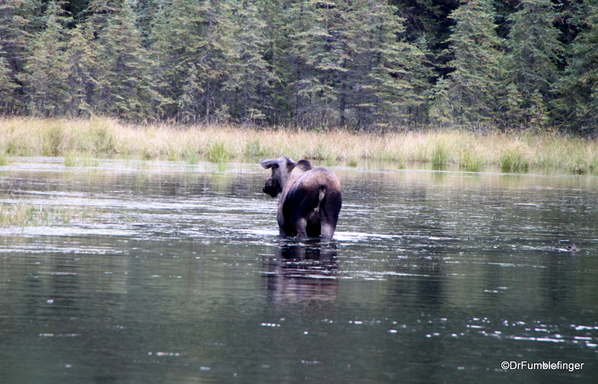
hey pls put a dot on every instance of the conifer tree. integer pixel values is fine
(251, 76)
(123, 85)
(468, 96)
(17, 22)
(314, 63)
(216, 59)
(145, 16)
(194, 50)
(428, 26)
(317, 50)
(45, 77)
(534, 51)
(79, 67)
(393, 69)
(176, 35)
(576, 104)
(7, 87)
(279, 95)
(99, 14)
(353, 69)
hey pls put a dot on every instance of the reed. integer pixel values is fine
(83, 139)
(515, 158)
(470, 161)
(23, 214)
(16, 214)
(440, 155)
(218, 153)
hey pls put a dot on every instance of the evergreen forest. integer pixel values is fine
(357, 64)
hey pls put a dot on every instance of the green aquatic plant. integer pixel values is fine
(580, 166)
(70, 160)
(19, 214)
(74, 159)
(440, 155)
(147, 153)
(514, 159)
(192, 157)
(53, 140)
(24, 214)
(255, 148)
(470, 161)
(217, 153)
(103, 140)
(316, 152)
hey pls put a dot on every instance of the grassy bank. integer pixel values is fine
(469, 151)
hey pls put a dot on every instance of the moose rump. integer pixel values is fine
(311, 198)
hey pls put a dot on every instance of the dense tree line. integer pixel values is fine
(367, 64)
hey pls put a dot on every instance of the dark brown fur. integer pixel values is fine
(310, 199)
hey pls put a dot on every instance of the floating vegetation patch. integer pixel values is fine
(22, 214)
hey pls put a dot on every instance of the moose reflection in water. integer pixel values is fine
(310, 199)
(303, 271)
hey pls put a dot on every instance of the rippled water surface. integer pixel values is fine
(165, 272)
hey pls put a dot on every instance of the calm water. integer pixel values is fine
(164, 272)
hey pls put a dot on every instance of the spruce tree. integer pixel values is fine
(194, 51)
(428, 26)
(352, 67)
(393, 69)
(18, 20)
(7, 87)
(576, 104)
(216, 58)
(79, 68)
(251, 77)
(279, 95)
(145, 16)
(468, 96)
(123, 84)
(317, 50)
(531, 64)
(176, 35)
(45, 77)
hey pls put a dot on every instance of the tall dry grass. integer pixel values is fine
(469, 151)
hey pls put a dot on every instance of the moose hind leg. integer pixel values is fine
(301, 227)
(327, 230)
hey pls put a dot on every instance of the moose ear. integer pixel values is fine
(269, 163)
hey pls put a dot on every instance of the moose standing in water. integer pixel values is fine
(310, 201)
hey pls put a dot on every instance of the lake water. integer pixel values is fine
(165, 272)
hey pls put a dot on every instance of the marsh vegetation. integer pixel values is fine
(80, 141)
(21, 213)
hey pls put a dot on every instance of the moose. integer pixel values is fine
(310, 199)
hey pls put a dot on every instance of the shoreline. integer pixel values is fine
(510, 152)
